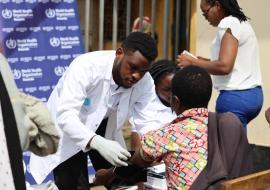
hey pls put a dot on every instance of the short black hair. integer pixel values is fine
(193, 87)
(231, 7)
(142, 42)
(162, 67)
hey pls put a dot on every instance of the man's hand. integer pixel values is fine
(110, 150)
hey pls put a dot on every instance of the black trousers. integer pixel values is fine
(73, 173)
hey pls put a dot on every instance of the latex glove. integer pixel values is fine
(110, 150)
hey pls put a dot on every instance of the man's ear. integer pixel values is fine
(175, 103)
(119, 51)
(217, 3)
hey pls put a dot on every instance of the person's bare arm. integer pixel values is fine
(135, 141)
(141, 159)
(225, 62)
(203, 58)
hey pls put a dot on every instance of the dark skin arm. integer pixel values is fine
(203, 58)
(225, 62)
(135, 141)
(140, 159)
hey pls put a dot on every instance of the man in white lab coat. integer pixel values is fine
(90, 104)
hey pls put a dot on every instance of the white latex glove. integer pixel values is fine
(110, 150)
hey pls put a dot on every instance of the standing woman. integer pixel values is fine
(235, 62)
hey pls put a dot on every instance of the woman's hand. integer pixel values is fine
(184, 60)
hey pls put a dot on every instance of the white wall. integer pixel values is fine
(258, 11)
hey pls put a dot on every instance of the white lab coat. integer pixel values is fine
(156, 116)
(88, 77)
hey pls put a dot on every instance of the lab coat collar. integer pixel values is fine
(115, 87)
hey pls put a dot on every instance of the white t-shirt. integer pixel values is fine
(246, 72)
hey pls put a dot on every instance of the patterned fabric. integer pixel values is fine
(182, 145)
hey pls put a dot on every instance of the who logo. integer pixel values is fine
(55, 42)
(11, 43)
(7, 14)
(17, 74)
(59, 70)
(50, 13)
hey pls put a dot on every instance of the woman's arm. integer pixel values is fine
(203, 58)
(141, 159)
(225, 62)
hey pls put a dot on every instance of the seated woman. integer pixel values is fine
(162, 73)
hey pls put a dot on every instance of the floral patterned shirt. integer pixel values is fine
(182, 145)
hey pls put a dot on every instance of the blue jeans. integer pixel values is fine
(246, 104)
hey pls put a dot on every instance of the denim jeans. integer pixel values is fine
(246, 104)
